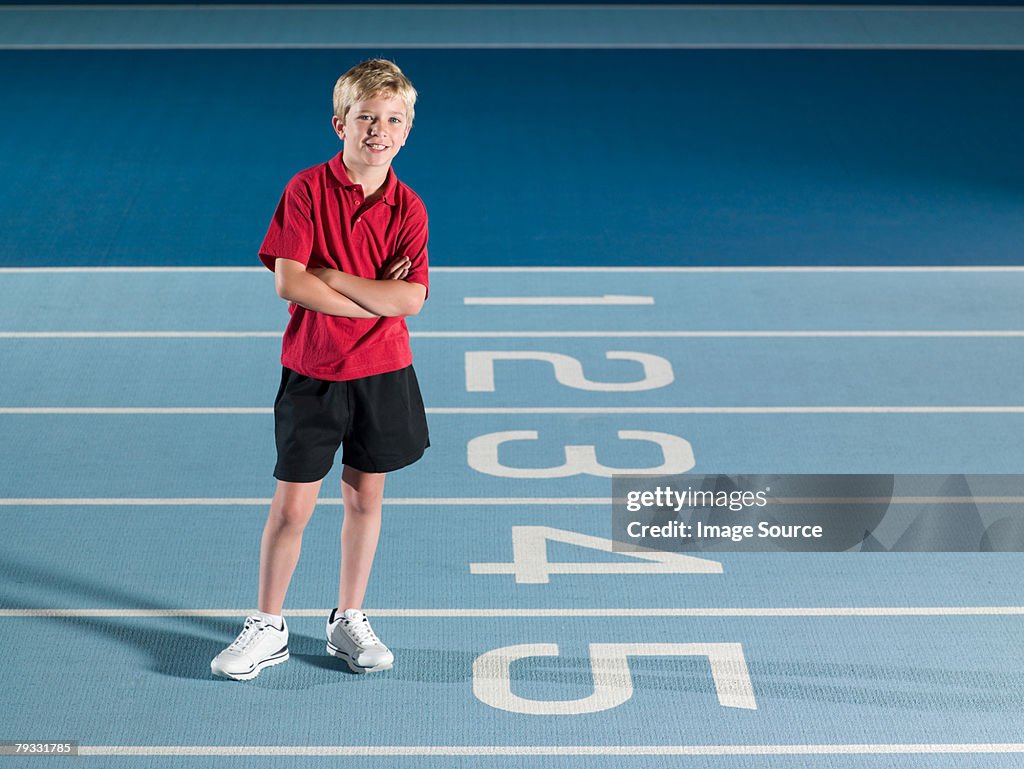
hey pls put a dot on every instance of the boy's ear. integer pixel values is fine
(339, 127)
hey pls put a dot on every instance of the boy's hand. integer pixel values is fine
(396, 268)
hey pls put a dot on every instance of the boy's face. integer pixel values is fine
(373, 131)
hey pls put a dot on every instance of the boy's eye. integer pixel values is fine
(396, 120)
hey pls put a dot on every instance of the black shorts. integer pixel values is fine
(379, 421)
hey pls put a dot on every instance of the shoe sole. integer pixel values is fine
(334, 651)
(269, 662)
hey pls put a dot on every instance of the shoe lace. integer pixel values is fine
(362, 633)
(252, 628)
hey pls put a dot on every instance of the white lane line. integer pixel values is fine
(118, 270)
(896, 500)
(553, 750)
(738, 410)
(244, 501)
(605, 300)
(596, 410)
(141, 334)
(683, 270)
(910, 334)
(462, 501)
(747, 334)
(767, 611)
(758, 269)
(43, 410)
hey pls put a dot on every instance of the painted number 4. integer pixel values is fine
(530, 562)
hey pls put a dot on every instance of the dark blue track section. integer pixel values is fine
(550, 157)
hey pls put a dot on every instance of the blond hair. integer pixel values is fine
(368, 79)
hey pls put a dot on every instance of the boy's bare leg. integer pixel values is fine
(290, 511)
(363, 494)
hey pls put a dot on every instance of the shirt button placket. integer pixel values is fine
(357, 194)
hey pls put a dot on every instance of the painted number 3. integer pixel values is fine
(482, 455)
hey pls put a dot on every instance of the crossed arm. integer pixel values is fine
(333, 292)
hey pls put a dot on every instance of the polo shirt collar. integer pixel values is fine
(337, 169)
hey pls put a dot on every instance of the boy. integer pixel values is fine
(348, 247)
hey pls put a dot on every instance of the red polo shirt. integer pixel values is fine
(323, 221)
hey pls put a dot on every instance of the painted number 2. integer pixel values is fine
(657, 372)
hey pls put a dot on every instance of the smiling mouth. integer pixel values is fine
(377, 147)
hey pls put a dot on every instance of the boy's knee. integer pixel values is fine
(363, 492)
(364, 501)
(290, 514)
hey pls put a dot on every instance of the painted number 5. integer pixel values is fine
(613, 683)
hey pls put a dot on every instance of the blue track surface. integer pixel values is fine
(832, 675)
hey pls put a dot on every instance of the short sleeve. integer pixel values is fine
(290, 235)
(413, 244)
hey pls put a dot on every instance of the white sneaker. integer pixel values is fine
(350, 637)
(258, 646)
